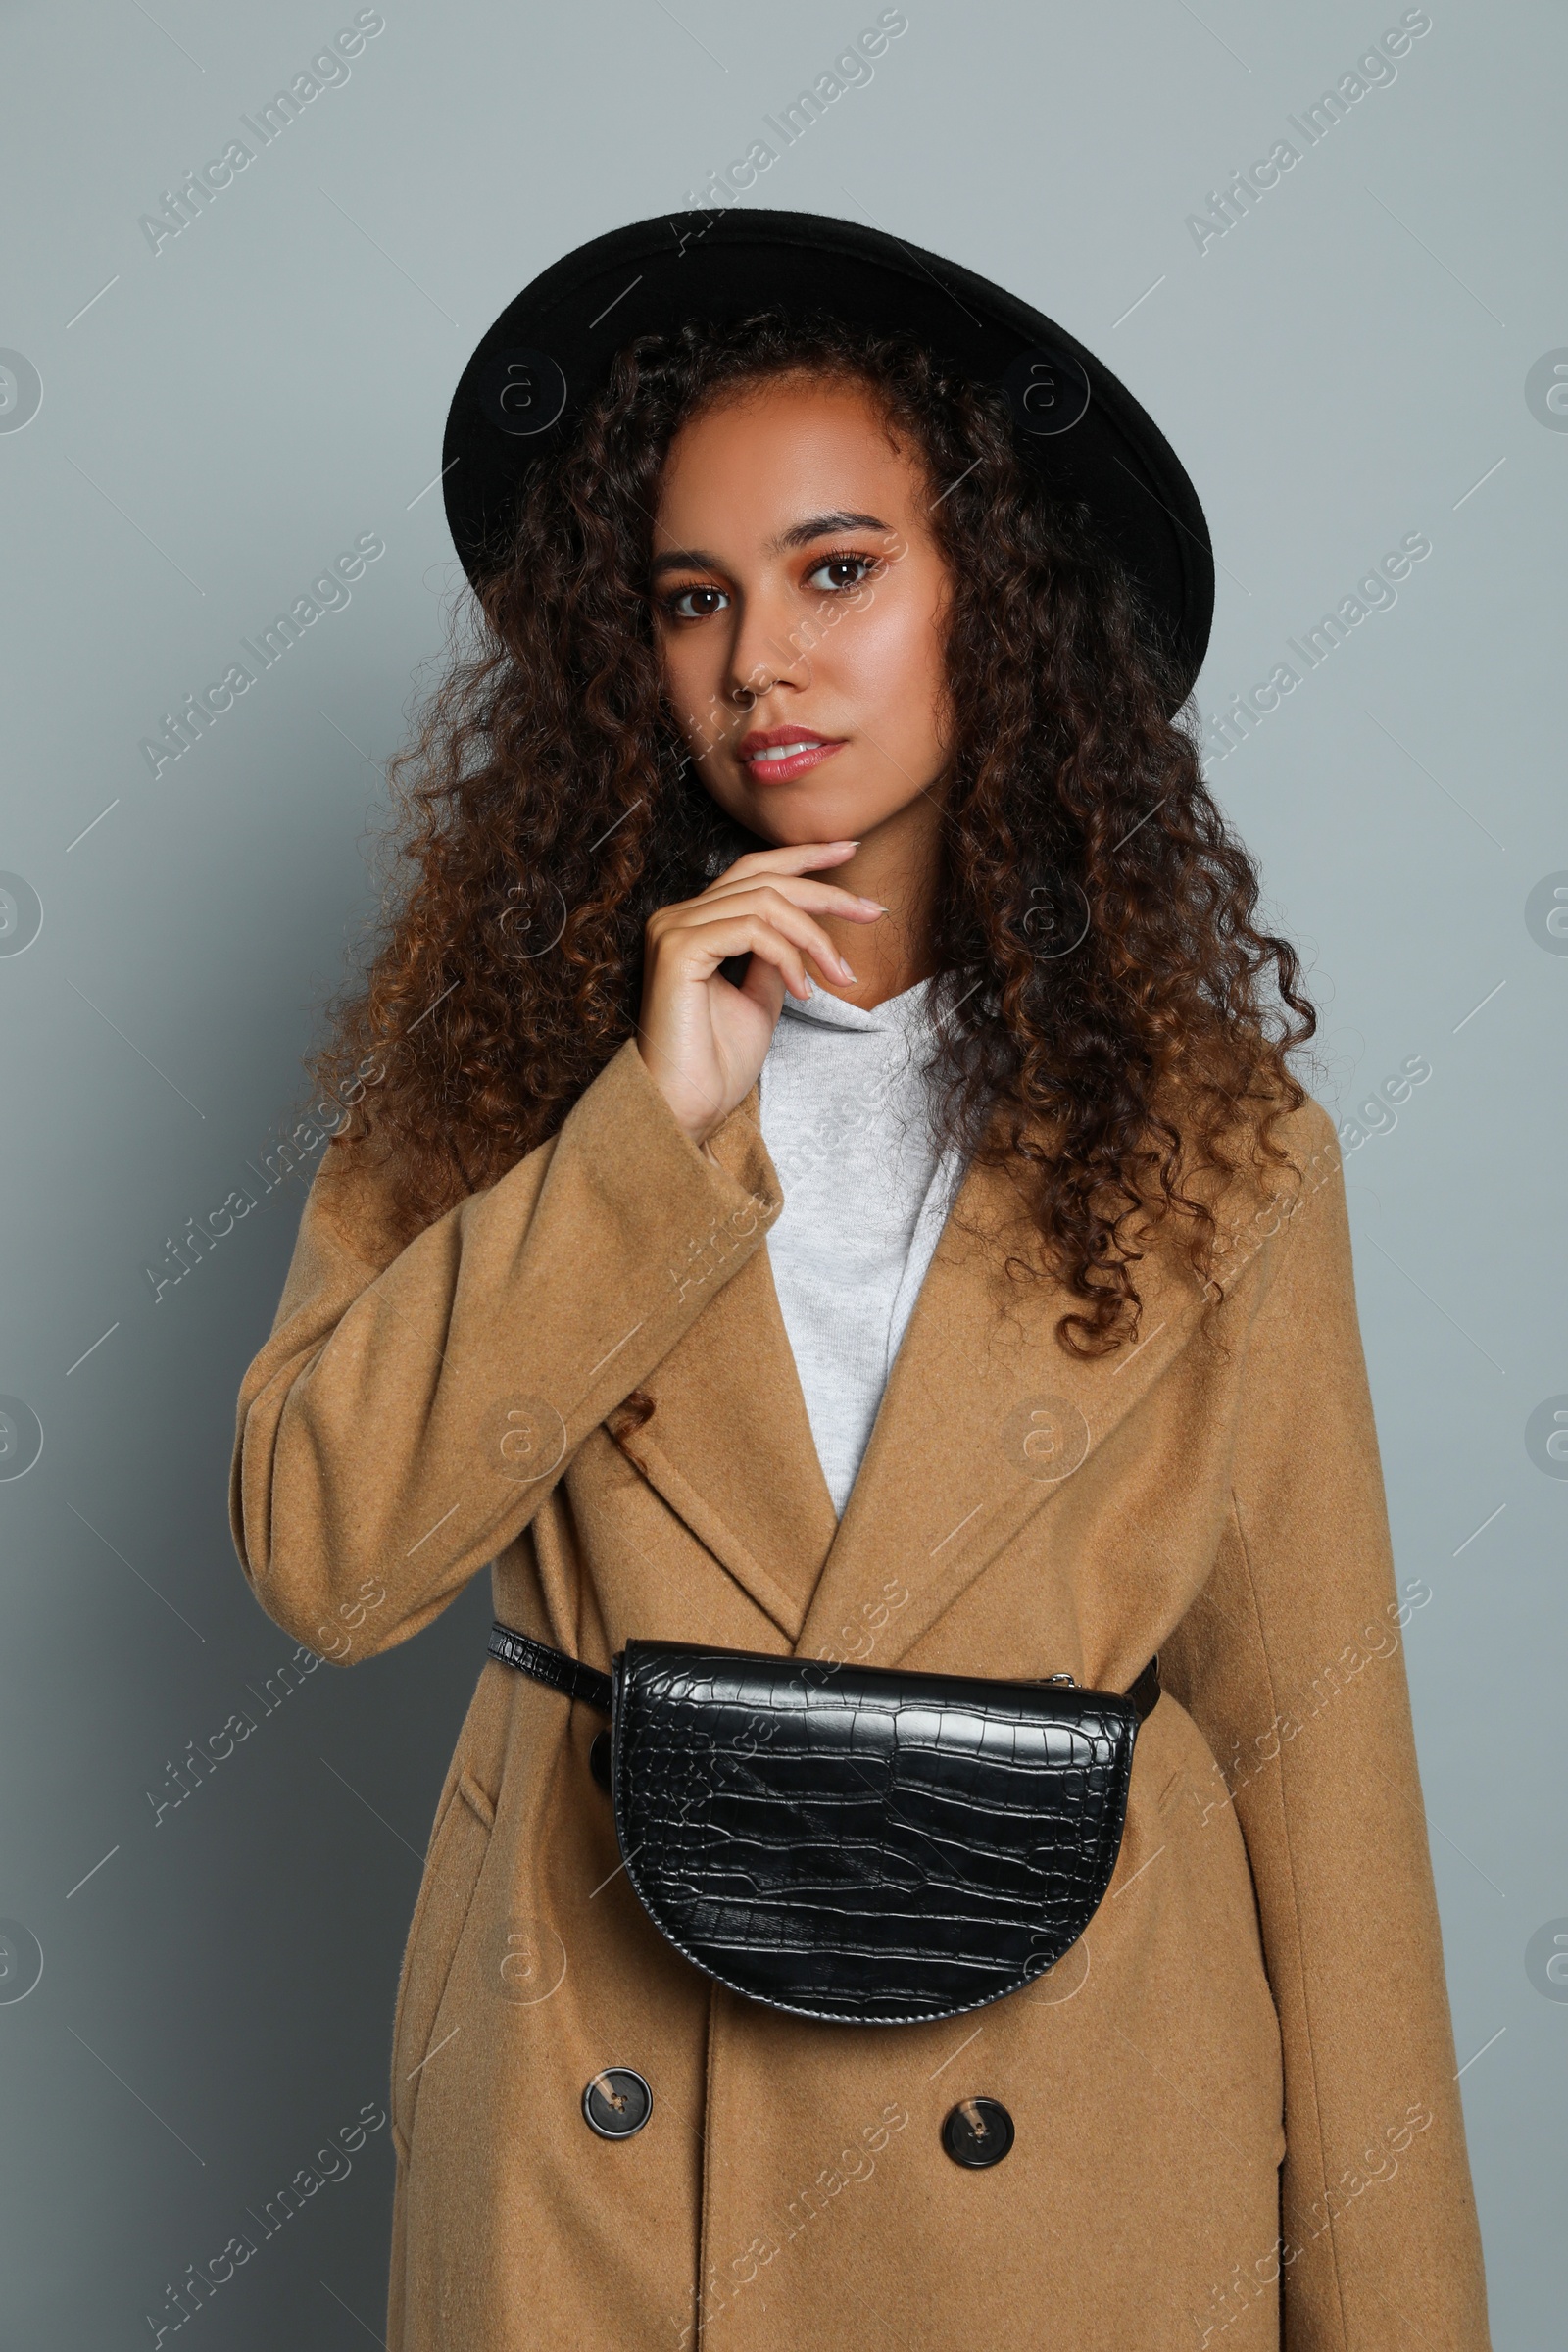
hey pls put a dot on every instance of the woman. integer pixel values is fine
(830, 1183)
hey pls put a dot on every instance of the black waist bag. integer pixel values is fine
(850, 1844)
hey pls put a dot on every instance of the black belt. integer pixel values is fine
(574, 1680)
(566, 1675)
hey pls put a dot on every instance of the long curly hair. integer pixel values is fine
(1115, 1026)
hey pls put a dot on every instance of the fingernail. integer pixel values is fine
(847, 971)
(875, 905)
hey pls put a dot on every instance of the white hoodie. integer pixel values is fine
(844, 1119)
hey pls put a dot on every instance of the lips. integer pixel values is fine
(777, 753)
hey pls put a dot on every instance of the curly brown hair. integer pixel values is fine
(1116, 1028)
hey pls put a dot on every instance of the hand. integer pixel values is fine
(705, 1040)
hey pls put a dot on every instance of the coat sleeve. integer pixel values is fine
(414, 1406)
(1295, 1670)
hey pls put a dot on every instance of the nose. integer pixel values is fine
(766, 652)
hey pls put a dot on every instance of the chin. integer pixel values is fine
(809, 811)
(786, 821)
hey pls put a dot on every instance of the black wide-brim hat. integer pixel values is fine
(522, 393)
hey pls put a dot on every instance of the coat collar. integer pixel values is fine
(984, 1421)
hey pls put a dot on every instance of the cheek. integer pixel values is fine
(886, 661)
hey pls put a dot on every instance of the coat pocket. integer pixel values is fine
(446, 1895)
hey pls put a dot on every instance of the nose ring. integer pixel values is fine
(747, 695)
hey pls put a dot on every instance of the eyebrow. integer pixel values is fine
(799, 534)
(819, 526)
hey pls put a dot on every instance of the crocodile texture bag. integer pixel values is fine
(850, 1844)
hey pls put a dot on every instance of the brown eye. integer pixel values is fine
(836, 573)
(708, 601)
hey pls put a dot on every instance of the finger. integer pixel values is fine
(700, 951)
(795, 858)
(784, 906)
(765, 985)
(823, 897)
(769, 907)
(828, 898)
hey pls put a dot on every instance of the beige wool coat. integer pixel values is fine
(1236, 2117)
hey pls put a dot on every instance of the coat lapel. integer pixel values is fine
(985, 1419)
(728, 1444)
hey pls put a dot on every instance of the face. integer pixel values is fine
(800, 603)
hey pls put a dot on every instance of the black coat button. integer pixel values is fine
(599, 1759)
(617, 2102)
(977, 2133)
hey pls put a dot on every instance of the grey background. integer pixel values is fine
(1341, 369)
